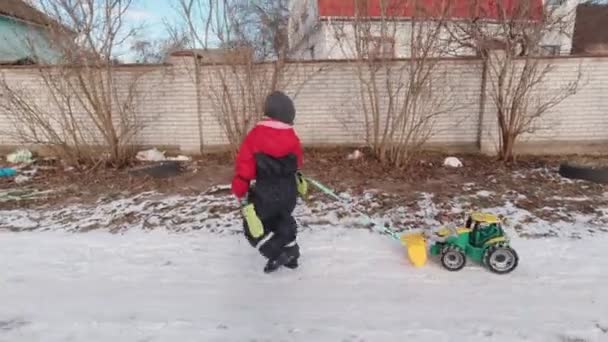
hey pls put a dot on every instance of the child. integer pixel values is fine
(271, 155)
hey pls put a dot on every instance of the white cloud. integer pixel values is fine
(134, 14)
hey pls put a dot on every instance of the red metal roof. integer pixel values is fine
(453, 9)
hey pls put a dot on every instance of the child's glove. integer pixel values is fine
(254, 224)
(302, 185)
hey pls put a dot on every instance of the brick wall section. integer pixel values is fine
(326, 96)
(579, 124)
(583, 116)
(329, 112)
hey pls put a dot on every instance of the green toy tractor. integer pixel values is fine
(482, 240)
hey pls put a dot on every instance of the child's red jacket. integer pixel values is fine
(270, 137)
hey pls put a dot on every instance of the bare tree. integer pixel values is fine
(263, 25)
(243, 47)
(155, 51)
(87, 103)
(511, 46)
(400, 99)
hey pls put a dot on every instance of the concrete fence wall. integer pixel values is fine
(329, 112)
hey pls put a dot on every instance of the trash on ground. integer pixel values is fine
(151, 155)
(452, 162)
(355, 155)
(180, 158)
(22, 156)
(29, 173)
(7, 172)
(22, 179)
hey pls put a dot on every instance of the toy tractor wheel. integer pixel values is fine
(501, 259)
(453, 259)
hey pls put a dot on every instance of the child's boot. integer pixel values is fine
(274, 264)
(293, 264)
(294, 251)
(288, 258)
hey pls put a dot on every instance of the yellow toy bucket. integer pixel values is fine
(416, 248)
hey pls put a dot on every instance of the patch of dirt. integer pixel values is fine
(74, 186)
(532, 183)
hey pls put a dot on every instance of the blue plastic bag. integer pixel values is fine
(7, 172)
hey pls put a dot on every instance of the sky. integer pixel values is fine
(153, 16)
(151, 13)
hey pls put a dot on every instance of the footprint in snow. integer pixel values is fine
(11, 324)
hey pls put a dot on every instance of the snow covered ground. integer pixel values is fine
(178, 269)
(353, 285)
(217, 212)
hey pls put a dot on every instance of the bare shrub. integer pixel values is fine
(87, 103)
(400, 100)
(511, 47)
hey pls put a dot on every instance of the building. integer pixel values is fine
(324, 29)
(591, 30)
(24, 34)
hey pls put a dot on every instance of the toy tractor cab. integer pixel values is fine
(482, 239)
(485, 229)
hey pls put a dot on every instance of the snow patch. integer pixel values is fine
(217, 211)
(571, 199)
(452, 162)
(484, 193)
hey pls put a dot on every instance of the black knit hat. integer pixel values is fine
(280, 107)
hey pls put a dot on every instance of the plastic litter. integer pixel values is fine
(22, 179)
(20, 157)
(180, 158)
(7, 172)
(151, 155)
(154, 155)
(452, 162)
(355, 155)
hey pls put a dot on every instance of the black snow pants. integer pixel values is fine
(274, 196)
